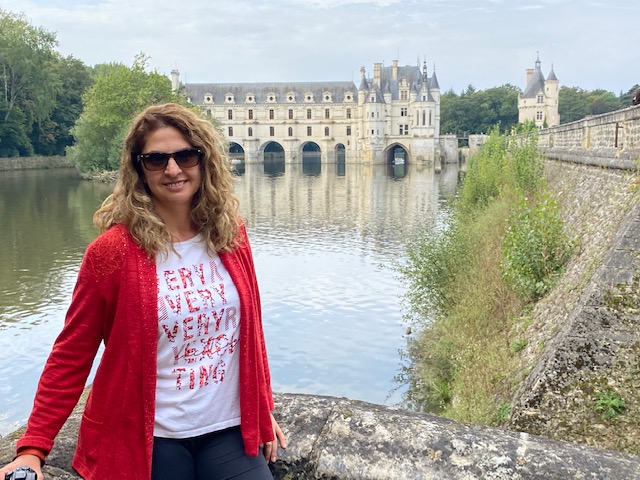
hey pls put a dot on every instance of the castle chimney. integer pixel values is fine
(394, 71)
(175, 80)
(376, 73)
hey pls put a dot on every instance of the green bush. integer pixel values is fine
(535, 247)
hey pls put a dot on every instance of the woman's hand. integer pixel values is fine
(271, 448)
(26, 460)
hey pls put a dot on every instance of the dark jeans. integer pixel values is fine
(214, 456)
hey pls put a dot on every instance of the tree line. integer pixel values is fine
(56, 105)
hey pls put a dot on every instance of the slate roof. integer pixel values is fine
(260, 91)
(535, 84)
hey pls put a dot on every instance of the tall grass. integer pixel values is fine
(468, 284)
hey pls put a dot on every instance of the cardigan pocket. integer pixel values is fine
(90, 435)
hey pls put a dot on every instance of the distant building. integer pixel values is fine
(392, 116)
(539, 101)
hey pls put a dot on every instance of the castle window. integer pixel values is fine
(348, 113)
(348, 97)
(430, 119)
(250, 98)
(272, 131)
(229, 98)
(250, 114)
(309, 133)
(208, 98)
(540, 98)
(308, 114)
(406, 129)
(348, 130)
(291, 114)
(373, 98)
(290, 131)
(271, 97)
(424, 117)
(403, 112)
(230, 114)
(373, 114)
(327, 97)
(271, 114)
(308, 97)
(291, 97)
(250, 132)
(326, 113)
(538, 115)
(326, 131)
(231, 131)
(403, 95)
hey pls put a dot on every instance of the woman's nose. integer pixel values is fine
(172, 167)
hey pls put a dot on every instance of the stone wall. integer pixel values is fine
(611, 139)
(31, 163)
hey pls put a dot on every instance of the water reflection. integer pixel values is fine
(323, 246)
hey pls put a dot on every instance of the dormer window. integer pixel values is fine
(291, 97)
(250, 98)
(271, 97)
(348, 97)
(208, 98)
(308, 97)
(327, 97)
(229, 98)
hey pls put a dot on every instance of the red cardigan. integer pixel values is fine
(115, 301)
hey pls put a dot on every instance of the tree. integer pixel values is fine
(109, 105)
(26, 55)
(478, 111)
(28, 81)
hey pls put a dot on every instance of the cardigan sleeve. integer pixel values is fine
(69, 364)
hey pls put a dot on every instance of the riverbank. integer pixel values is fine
(34, 163)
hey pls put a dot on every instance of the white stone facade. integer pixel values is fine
(394, 114)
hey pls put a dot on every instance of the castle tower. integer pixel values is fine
(539, 100)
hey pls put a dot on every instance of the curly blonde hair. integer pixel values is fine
(214, 206)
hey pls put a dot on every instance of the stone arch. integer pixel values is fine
(396, 153)
(273, 156)
(340, 152)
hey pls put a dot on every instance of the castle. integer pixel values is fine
(539, 100)
(391, 117)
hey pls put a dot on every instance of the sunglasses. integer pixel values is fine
(185, 158)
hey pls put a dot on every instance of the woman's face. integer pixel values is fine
(173, 186)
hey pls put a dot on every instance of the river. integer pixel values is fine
(325, 240)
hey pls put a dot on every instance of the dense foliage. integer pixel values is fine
(41, 90)
(469, 283)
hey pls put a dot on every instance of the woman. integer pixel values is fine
(183, 387)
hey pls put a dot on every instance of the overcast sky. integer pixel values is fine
(591, 44)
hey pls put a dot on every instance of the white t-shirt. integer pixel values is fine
(197, 390)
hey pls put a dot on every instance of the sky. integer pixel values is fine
(591, 44)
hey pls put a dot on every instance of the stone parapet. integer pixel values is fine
(609, 140)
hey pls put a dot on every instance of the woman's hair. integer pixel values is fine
(214, 206)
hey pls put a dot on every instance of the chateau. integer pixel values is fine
(391, 117)
(539, 101)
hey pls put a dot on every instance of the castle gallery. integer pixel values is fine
(393, 116)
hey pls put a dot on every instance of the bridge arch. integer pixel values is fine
(396, 154)
(340, 153)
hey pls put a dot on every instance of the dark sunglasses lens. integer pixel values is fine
(187, 158)
(155, 161)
